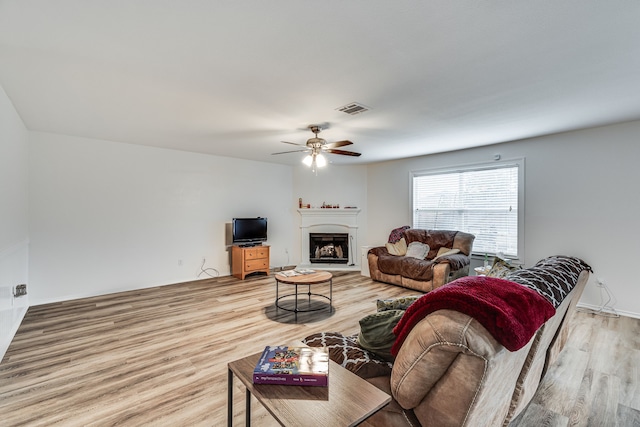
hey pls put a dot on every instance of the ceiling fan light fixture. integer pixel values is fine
(315, 147)
(321, 161)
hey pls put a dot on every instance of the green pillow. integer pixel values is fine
(376, 332)
(401, 303)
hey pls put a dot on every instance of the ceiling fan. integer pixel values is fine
(316, 146)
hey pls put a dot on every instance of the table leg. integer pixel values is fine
(247, 410)
(331, 294)
(277, 294)
(229, 398)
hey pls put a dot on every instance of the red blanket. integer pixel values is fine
(512, 313)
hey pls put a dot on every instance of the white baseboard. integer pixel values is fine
(598, 308)
(16, 320)
(14, 270)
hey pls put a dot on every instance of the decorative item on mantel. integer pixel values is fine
(329, 206)
(301, 206)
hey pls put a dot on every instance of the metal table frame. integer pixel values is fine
(302, 280)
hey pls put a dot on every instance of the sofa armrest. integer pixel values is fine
(378, 250)
(451, 371)
(464, 242)
(372, 259)
(456, 262)
(441, 272)
(428, 353)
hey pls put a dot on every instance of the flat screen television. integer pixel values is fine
(249, 231)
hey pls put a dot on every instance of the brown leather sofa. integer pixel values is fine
(450, 371)
(423, 275)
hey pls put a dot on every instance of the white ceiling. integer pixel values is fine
(234, 78)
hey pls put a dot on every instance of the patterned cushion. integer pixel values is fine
(397, 233)
(501, 268)
(400, 303)
(553, 277)
(344, 351)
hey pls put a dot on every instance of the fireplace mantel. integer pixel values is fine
(329, 220)
(329, 215)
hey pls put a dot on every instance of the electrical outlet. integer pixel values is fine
(20, 291)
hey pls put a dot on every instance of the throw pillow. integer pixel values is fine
(395, 303)
(376, 332)
(417, 250)
(397, 233)
(446, 251)
(347, 353)
(443, 250)
(398, 248)
(501, 268)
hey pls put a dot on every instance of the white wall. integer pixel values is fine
(14, 230)
(582, 199)
(106, 216)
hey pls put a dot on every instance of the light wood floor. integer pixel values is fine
(159, 357)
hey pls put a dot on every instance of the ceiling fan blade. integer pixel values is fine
(293, 143)
(294, 151)
(343, 152)
(338, 144)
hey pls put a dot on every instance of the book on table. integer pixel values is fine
(290, 273)
(283, 365)
(297, 272)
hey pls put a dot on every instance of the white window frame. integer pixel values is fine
(519, 162)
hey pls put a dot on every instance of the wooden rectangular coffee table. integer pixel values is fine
(346, 401)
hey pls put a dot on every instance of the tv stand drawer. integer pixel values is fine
(256, 265)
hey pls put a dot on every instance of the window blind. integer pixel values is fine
(480, 201)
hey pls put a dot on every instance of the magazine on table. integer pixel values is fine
(283, 365)
(297, 272)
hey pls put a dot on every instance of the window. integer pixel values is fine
(484, 200)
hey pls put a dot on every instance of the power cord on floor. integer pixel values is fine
(606, 307)
(206, 270)
(286, 251)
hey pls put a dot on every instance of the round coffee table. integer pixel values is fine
(307, 280)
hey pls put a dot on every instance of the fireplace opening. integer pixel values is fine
(332, 248)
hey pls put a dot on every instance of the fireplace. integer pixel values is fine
(329, 248)
(340, 222)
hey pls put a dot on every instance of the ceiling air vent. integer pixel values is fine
(353, 108)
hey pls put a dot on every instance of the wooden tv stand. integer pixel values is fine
(247, 260)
